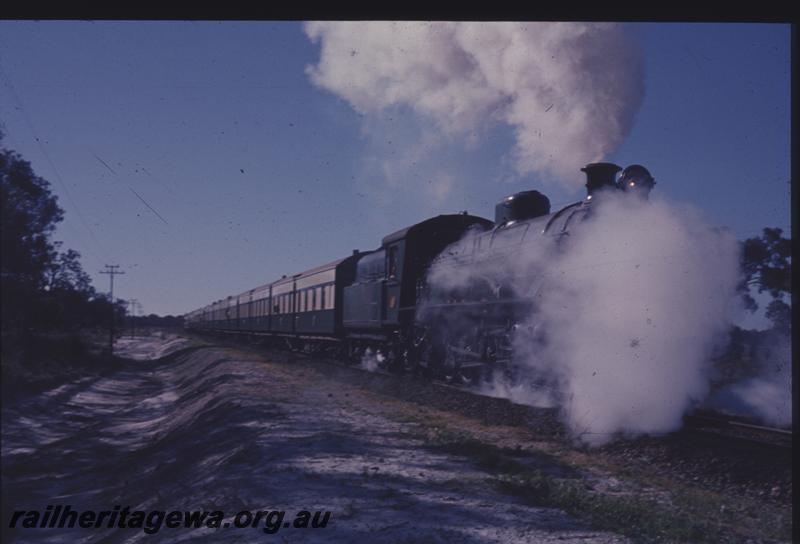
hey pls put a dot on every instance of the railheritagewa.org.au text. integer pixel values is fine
(152, 521)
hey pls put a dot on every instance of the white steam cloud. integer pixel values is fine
(372, 360)
(569, 90)
(629, 307)
(767, 394)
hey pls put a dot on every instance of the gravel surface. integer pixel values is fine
(749, 484)
(219, 428)
(708, 461)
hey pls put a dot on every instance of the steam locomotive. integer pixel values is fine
(384, 302)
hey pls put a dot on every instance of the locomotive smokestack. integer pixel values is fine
(600, 175)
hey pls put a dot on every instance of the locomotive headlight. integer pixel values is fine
(636, 179)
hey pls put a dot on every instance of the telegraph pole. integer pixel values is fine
(111, 270)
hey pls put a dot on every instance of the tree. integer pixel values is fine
(29, 214)
(42, 287)
(767, 266)
(65, 272)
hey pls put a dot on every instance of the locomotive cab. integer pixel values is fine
(384, 292)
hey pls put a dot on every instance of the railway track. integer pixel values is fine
(737, 429)
(711, 425)
(714, 425)
(721, 426)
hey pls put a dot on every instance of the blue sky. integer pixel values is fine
(257, 172)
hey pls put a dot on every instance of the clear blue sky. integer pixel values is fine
(257, 172)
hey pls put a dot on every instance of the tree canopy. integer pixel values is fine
(767, 266)
(42, 286)
(29, 215)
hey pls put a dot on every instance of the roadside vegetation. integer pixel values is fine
(50, 311)
(642, 506)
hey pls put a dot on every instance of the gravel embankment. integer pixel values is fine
(220, 428)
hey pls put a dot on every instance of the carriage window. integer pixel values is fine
(323, 293)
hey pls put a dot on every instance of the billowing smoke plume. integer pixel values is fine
(629, 307)
(569, 90)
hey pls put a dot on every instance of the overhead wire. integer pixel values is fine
(10, 86)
